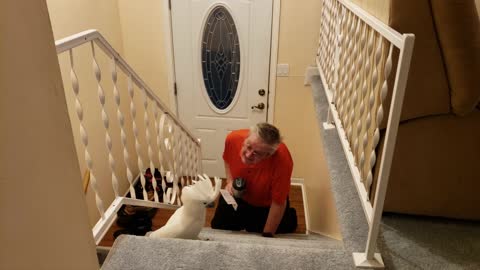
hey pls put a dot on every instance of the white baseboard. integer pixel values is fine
(310, 72)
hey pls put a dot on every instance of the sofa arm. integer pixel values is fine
(427, 91)
(458, 30)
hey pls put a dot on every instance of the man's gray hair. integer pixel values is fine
(268, 133)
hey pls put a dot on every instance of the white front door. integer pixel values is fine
(222, 56)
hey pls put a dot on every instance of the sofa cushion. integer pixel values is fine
(427, 91)
(435, 167)
(458, 30)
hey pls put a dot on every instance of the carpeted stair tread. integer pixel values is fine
(290, 240)
(353, 224)
(135, 252)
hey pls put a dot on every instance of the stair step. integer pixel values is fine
(136, 252)
(291, 240)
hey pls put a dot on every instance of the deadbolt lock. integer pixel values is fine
(261, 92)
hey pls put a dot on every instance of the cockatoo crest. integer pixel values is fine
(201, 191)
(188, 220)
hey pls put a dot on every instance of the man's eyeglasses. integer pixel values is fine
(256, 153)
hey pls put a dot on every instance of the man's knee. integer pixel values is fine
(225, 223)
(225, 218)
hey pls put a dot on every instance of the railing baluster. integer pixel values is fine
(350, 74)
(191, 160)
(328, 42)
(166, 148)
(333, 46)
(353, 84)
(160, 154)
(149, 144)
(370, 107)
(380, 113)
(365, 87)
(123, 136)
(180, 158)
(376, 87)
(105, 120)
(184, 170)
(184, 173)
(133, 113)
(340, 55)
(366, 118)
(324, 35)
(346, 65)
(364, 65)
(342, 58)
(175, 139)
(84, 137)
(197, 159)
(331, 43)
(187, 161)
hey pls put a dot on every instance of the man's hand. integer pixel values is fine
(274, 217)
(229, 186)
(267, 234)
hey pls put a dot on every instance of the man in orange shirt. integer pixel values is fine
(258, 156)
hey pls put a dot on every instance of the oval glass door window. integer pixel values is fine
(220, 57)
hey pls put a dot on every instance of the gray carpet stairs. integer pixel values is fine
(227, 250)
(405, 242)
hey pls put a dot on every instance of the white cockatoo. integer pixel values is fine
(189, 219)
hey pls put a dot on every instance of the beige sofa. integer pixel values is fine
(436, 164)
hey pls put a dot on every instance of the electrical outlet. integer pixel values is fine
(283, 70)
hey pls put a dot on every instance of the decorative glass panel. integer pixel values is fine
(220, 57)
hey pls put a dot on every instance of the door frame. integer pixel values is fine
(167, 22)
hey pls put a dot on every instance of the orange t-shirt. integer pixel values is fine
(268, 180)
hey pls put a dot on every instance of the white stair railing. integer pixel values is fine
(355, 60)
(178, 150)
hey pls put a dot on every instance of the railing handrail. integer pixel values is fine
(387, 32)
(78, 39)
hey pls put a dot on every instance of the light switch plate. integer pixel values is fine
(283, 70)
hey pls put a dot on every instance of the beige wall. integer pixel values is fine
(378, 8)
(73, 16)
(44, 222)
(144, 42)
(295, 113)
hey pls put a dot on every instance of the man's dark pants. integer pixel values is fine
(251, 218)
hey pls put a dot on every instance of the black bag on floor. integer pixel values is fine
(135, 221)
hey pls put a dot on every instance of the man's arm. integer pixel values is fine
(228, 174)
(274, 217)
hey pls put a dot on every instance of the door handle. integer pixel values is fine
(259, 106)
